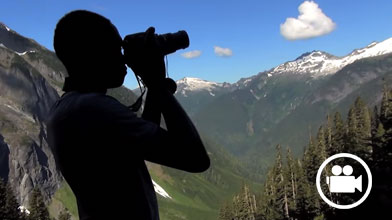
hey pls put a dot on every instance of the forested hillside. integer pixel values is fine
(290, 189)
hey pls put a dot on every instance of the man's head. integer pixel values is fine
(89, 46)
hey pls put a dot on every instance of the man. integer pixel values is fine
(99, 144)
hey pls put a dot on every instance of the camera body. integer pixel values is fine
(162, 44)
(144, 53)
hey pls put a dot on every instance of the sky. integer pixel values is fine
(229, 39)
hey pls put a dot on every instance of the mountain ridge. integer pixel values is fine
(315, 63)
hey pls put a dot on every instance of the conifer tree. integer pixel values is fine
(3, 200)
(292, 178)
(281, 204)
(338, 135)
(303, 197)
(225, 211)
(246, 204)
(64, 215)
(352, 139)
(38, 210)
(385, 109)
(328, 136)
(9, 206)
(12, 205)
(379, 145)
(268, 198)
(363, 129)
(275, 193)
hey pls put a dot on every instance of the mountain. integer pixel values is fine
(201, 92)
(319, 63)
(28, 79)
(31, 78)
(284, 104)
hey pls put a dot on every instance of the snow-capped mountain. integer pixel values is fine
(194, 93)
(318, 63)
(191, 84)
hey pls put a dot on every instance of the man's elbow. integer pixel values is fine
(200, 164)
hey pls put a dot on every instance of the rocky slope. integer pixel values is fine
(25, 98)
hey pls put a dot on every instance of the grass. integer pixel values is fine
(64, 198)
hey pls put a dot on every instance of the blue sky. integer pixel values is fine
(249, 29)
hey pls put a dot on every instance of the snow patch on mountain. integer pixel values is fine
(318, 63)
(158, 189)
(24, 53)
(254, 95)
(23, 209)
(196, 84)
(4, 26)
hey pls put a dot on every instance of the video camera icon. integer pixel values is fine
(343, 184)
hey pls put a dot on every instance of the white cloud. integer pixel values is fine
(223, 52)
(311, 22)
(191, 54)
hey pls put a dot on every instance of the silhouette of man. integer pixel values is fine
(99, 144)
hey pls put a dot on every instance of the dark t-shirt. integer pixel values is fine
(100, 146)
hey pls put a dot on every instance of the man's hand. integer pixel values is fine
(145, 57)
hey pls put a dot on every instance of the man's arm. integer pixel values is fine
(180, 146)
(152, 109)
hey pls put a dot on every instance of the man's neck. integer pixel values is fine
(83, 86)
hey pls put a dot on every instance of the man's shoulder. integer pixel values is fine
(94, 100)
(84, 104)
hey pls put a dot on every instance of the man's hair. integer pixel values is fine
(78, 35)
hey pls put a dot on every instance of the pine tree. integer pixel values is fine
(291, 175)
(269, 198)
(363, 130)
(3, 200)
(304, 207)
(9, 206)
(328, 137)
(275, 199)
(225, 212)
(64, 215)
(12, 205)
(338, 135)
(385, 110)
(281, 203)
(308, 160)
(352, 137)
(379, 145)
(38, 210)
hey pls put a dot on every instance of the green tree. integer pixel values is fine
(244, 205)
(363, 130)
(12, 205)
(338, 135)
(9, 206)
(328, 136)
(38, 209)
(268, 198)
(3, 200)
(385, 110)
(303, 198)
(64, 215)
(275, 199)
(291, 176)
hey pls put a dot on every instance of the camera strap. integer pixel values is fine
(136, 106)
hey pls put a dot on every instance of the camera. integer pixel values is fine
(162, 44)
